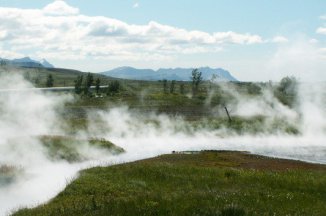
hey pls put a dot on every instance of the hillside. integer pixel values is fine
(178, 74)
(38, 75)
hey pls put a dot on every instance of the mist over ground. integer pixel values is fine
(28, 176)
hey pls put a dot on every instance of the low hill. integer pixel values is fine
(62, 77)
(178, 74)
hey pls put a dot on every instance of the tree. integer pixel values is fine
(89, 80)
(49, 81)
(97, 85)
(114, 87)
(182, 88)
(88, 83)
(196, 77)
(165, 86)
(78, 84)
(287, 91)
(288, 86)
(172, 86)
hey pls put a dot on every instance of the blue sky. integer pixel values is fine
(254, 39)
(261, 16)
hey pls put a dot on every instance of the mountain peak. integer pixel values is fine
(28, 62)
(24, 59)
(46, 64)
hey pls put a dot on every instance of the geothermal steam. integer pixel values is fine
(27, 114)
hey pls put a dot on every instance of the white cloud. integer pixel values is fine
(232, 37)
(61, 31)
(321, 30)
(313, 41)
(280, 39)
(136, 5)
(60, 8)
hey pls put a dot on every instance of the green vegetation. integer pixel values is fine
(287, 91)
(114, 87)
(205, 183)
(68, 148)
(49, 81)
(172, 86)
(196, 77)
(97, 85)
(205, 109)
(78, 84)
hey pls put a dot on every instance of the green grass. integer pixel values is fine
(209, 183)
(67, 148)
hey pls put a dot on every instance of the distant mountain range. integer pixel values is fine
(26, 62)
(178, 74)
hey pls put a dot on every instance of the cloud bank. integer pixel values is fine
(60, 31)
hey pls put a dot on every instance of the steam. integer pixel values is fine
(24, 115)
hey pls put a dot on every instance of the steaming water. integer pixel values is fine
(33, 113)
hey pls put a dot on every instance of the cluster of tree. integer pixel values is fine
(49, 81)
(287, 91)
(83, 85)
(196, 77)
(114, 87)
(78, 84)
(166, 88)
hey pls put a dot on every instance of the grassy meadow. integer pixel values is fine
(199, 183)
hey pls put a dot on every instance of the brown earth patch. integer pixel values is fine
(235, 159)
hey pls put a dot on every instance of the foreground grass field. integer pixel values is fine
(205, 183)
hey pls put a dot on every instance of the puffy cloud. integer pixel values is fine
(232, 37)
(321, 30)
(60, 8)
(61, 31)
(280, 39)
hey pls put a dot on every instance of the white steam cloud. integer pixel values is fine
(24, 115)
